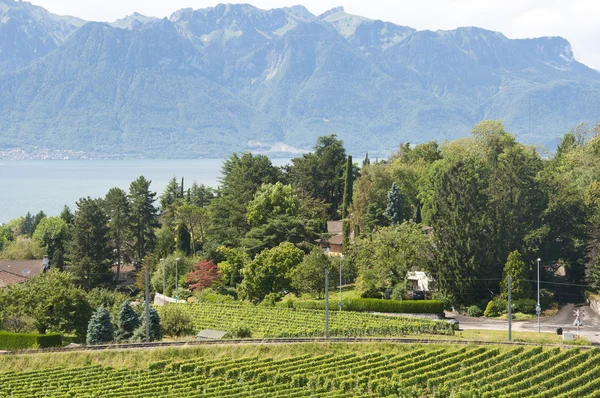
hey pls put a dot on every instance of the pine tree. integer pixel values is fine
(27, 226)
(170, 194)
(100, 328)
(127, 323)
(67, 216)
(182, 190)
(36, 220)
(348, 184)
(118, 209)
(394, 205)
(367, 161)
(90, 248)
(155, 331)
(517, 269)
(143, 217)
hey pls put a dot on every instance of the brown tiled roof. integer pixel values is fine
(336, 240)
(25, 268)
(7, 278)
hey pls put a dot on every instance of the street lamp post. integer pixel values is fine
(176, 279)
(538, 307)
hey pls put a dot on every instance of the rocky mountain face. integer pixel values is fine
(233, 77)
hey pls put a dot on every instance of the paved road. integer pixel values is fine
(563, 318)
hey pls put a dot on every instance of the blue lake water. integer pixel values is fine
(48, 185)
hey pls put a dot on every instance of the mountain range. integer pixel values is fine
(207, 82)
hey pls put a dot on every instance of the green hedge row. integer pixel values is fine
(375, 305)
(20, 341)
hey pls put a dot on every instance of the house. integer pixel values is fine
(418, 281)
(19, 271)
(334, 245)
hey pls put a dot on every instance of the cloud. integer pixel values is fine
(575, 20)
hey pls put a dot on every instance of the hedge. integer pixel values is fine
(375, 305)
(19, 341)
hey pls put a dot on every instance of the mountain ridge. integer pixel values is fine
(222, 79)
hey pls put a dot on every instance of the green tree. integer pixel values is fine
(394, 205)
(52, 300)
(231, 262)
(67, 216)
(127, 322)
(100, 328)
(183, 240)
(195, 220)
(348, 184)
(320, 174)
(6, 235)
(278, 230)
(384, 258)
(143, 217)
(90, 249)
(200, 195)
(117, 208)
(27, 225)
(171, 193)
(346, 232)
(155, 329)
(36, 220)
(272, 200)
(518, 271)
(309, 275)
(370, 196)
(595, 275)
(242, 176)
(270, 272)
(52, 234)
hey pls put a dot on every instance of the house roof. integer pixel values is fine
(211, 334)
(336, 240)
(8, 278)
(335, 227)
(24, 268)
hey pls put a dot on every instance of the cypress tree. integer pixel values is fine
(183, 239)
(182, 190)
(394, 205)
(345, 235)
(348, 183)
(100, 328)
(367, 161)
(127, 323)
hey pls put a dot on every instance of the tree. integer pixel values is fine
(52, 300)
(370, 196)
(232, 261)
(346, 231)
(36, 220)
(155, 329)
(200, 195)
(278, 230)
(195, 220)
(309, 275)
(143, 217)
(168, 270)
(90, 248)
(205, 274)
(242, 176)
(272, 200)
(270, 272)
(127, 322)
(394, 205)
(27, 226)
(518, 271)
(100, 328)
(117, 207)
(171, 193)
(348, 183)
(67, 216)
(384, 258)
(595, 275)
(183, 240)
(320, 174)
(52, 234)
(367, 161)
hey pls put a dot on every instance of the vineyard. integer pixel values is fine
(409, 371)
(298, 322)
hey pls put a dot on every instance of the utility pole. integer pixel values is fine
(147, 305)
(162, 263)
(177, 279)
(340, 304)
(538, 307)
(326, 303)
(509, 310)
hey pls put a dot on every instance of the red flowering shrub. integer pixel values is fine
(204, 275)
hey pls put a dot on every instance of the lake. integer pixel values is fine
(48, 185)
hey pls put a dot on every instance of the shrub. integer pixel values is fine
(495, 307)
(474, 311)
(100, 328)
(371, 293)
(20, 341)
(271, 299)
(176, 322)
(239, 331)
(128, 321)
(155, 330)
(209, 295)
(526, 306)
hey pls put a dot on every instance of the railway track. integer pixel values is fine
(189, 343)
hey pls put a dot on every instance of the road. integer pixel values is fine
(563, 318)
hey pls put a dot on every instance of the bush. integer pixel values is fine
(239, 331)
(176, 322)
(210, 295)
(378, 305)
(474, 311)
(271, 299)
(128, 321)
(495, 307)
(526, 306)
(155, 331)
(371, 293)
(20, 341)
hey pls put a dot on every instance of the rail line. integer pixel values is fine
(189, 343)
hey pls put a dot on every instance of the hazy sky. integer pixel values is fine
(575, 20)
